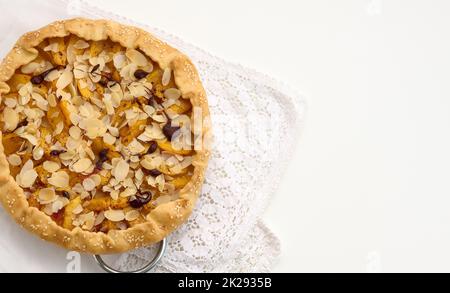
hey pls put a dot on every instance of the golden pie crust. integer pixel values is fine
(163, 219)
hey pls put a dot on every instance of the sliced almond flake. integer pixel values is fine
(113, 131)
(128, 192)
(82, 165)
(57, 205)
(135, 159)
(90, 153)
(108, 104)
(94, 128)
(48, 210)
(127, 72)
(27, 166)
(11, 119)
(136, 57)
(139, 175)
(26, 178)
(75, 132)
(107, 166)
(10, 102)
(26, 89)
(159, 118)
(128, 182)
(99, 219)
(53, 75)
(53, 47)
(51, 166)
(88, 184)
(40, 101)
(72, 143)
(135, 147)
(176, 169)
(68, 155)
(80, 70)
(131, 114)
(132, 215)
(78, 188)
(31, 138)
(172, 93)
(89, 220)
(114, 194)
(77, 210)
(160, 181)
(169, 102)
(116, 98)
(114, 215)
(74, 118)
(52, 100)
(59, 128)
(138, 89)
(59, 179)
(30, 68)
(167, 75)
(46, 195)
(38, 153)
(24, 99)
(109, 139)
(121, 170)
(81, 44)
(14, 160)
(85, 194)
(65, 79)
(119, 60)
(150, 163)
(97, 179)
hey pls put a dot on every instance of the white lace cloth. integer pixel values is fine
(255, 120)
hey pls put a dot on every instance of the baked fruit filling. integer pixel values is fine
(97, 135)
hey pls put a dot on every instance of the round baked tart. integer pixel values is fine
(103, 131)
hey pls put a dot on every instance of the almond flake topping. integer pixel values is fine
(38, 153)
(14, 160)
(65, 79)
(50, 166)
(167, 75)
(10, 118)
(120, 171)
(46, 195)
(132, 215)
(27, 175)
(89, 184)
(75, 132)
(136, 57)
(82, 165)
(94, 114)
(172, 93)
(114, 215)
(59, 179)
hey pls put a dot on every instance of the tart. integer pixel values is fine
(101, 151)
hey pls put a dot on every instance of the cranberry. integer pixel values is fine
(152, 147)
(141, 200)
(170, 130)
(140, 74)
(154, 172)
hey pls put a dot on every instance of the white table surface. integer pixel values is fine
(368, 188)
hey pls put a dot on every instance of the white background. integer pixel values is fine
(368, 188)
